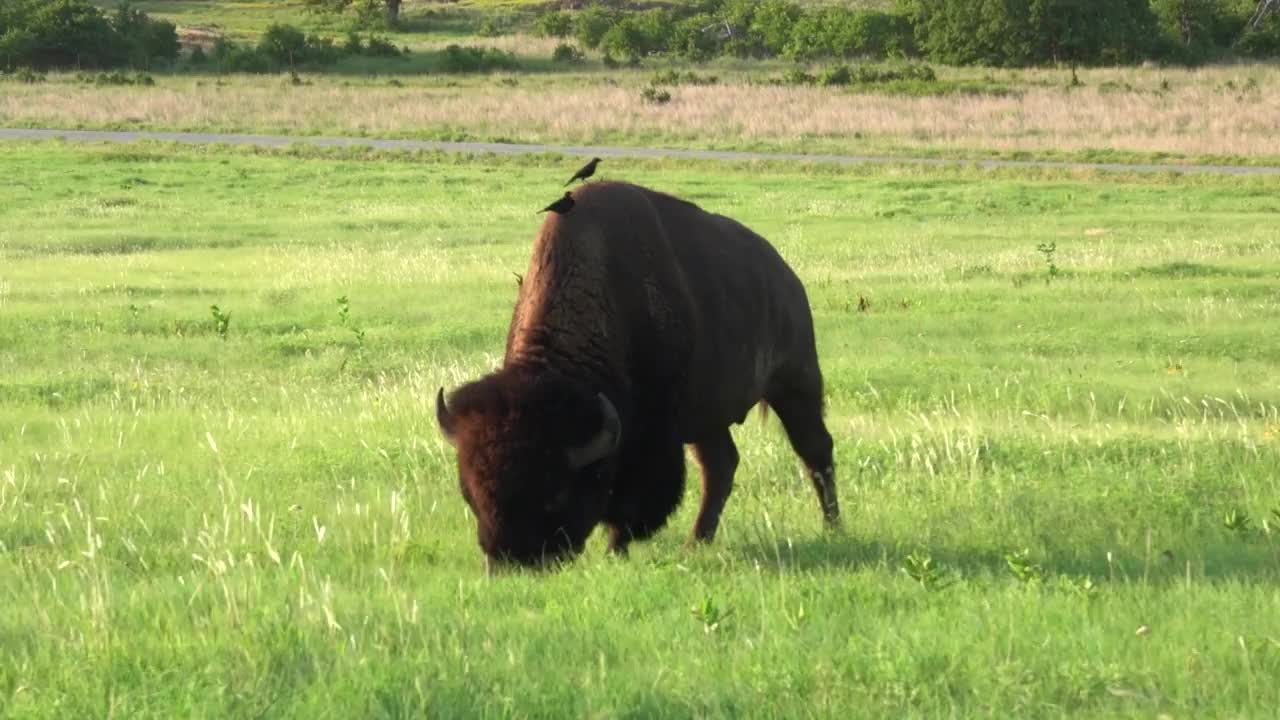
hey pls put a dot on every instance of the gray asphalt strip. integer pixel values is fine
(192, 138)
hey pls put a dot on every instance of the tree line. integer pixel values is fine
(1008, 33)
(47, 34)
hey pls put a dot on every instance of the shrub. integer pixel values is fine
(144, 39)
(590, 26)
(197, 56)
(695, 38)
(554, 24)
(675, 77)
(1197, 30)
(381, 47)
(67, 33)
(26, 75)
(16, 45)
(116, 78)
(797, 76)
(638, 35)
(354, 44)
(1263, 42)
(237, 59)
(835, 75)
(458, 59)
(773, 24)
(283, 44)
(655, 95)
(489, 28)
(860, 75)
(566, 53)
(624, 41)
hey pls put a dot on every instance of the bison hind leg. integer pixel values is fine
(647, 491)
(797, 401)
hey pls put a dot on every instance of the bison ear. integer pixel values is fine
(444, 418)
(604, 443)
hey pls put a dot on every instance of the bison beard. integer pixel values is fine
(643, 324)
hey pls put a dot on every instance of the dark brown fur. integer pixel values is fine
(684, 320)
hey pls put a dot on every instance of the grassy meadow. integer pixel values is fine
(1120, 115)
(1054, 397)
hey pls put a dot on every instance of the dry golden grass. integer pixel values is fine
(1218, 111)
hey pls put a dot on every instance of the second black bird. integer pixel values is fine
(561, 206)
(584, 172)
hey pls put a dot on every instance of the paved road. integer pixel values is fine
(601, 151)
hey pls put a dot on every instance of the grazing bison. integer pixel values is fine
(643, 323)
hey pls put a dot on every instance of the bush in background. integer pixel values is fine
(54, 34)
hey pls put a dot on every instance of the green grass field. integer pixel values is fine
(1057, 415)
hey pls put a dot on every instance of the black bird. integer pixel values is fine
(561, 206)
(584, 172)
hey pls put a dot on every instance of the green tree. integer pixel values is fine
(144, 39)
(365, 10)
(284, 44)
(773, 23)
(16, 44)
(1024, 32)
(591, 24)
(1198, 29)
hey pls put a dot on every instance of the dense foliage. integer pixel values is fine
(699, 31)
(50, 34)
(1032, 32)
(959, 32)
(286, 47)
(365, 13)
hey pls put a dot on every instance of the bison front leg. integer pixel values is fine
(647, 490)
(719, 460)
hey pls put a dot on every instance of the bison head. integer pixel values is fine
(533, 462)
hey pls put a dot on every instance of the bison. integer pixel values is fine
(644, 323)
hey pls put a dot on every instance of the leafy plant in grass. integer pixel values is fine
(221, 321)
(344, 317)
(919, 566)
(1083, 587)
(713, 617)
(1048, 251)
(1238, 522)
(1023, 567)
(1271, 525)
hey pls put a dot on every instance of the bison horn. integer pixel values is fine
(444, 418)
(604, 443)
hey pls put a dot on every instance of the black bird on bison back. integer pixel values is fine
(561, 206)
(585, 171)
(644, 324)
